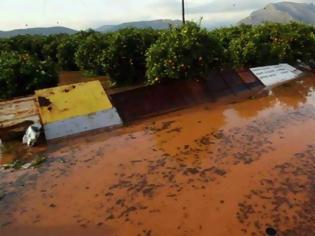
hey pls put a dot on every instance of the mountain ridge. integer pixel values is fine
(37, 31)
(282, 12)
(155, 24)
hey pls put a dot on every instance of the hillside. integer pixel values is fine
(282, 12)
(155, 24)
(37, 31)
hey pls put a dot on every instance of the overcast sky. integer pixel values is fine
(82, 14)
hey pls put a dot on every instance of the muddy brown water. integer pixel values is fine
(73, 77)
(14, 150)
(229, 170)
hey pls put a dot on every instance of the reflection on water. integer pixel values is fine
(229, 170)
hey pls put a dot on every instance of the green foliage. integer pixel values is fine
(28, 44)
(269, 44)
(66, 53)
(132, 56)
(225, 36)
(188, 52)
(88, 54)
(124, 58)
(21, 74)
(5, 45)
(50, 47)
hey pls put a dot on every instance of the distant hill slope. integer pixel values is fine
(37, 31)
(282, 12)
(155, 24)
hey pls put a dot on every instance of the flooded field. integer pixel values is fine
(73, 77)
(230, 170)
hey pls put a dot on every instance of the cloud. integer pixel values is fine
(81, 14)
(215, 12)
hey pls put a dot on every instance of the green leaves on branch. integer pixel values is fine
(124, 58)
(88, 54)
(21, 74)
(188, 52)
(268, 44)
(132, 56)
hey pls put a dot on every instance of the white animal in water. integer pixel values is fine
(32, 134)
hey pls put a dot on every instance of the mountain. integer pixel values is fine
(155, 24)
(37, 31)
(282, 12)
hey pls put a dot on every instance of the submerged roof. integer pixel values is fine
(275, 75)
(17, 111)
(65, 102)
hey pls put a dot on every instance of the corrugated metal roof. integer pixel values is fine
(161, 98)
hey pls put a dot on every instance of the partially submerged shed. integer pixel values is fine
(73, 109)
(16, 115)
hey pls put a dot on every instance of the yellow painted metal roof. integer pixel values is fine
(65, 102)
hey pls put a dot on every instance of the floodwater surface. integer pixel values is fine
(226, 170)
(73, 77)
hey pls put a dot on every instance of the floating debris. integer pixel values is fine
(18, 164)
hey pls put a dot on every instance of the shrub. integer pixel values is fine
(5, 45)
(272, 44)
(66, 53)
(225, 36)
(188, 52)
(87, 57)
(301, 40)
(124, 58)
(50, 47)
(28, 44)
(21, 74)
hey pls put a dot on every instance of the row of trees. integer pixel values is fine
(131, 56)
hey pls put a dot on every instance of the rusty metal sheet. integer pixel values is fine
(158, 99)
(250, 79)
(234, 81)
(217, 86)
(18, 111)
(174, 95)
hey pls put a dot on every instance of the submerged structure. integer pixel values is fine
(73, 109)
(275, 75)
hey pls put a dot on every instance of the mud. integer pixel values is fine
(231, 170)
(13, 150)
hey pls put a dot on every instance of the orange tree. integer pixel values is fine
(186, 52)
(272, 43)
(89, 51)
(21, 74)
(124, 58)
